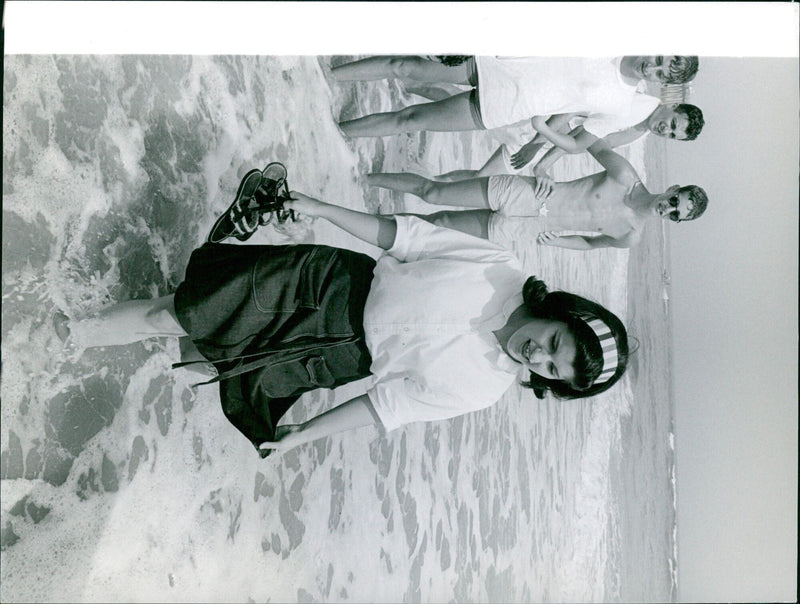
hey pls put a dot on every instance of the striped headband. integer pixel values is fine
(609, 347)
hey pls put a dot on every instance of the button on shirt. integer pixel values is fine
(436, 297)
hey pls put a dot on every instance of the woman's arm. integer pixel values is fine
(376, 230)
(355, 413)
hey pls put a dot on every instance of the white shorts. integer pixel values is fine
(512, 195)
(512, 231)
(515, 219)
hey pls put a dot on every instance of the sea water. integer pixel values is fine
(122, 483)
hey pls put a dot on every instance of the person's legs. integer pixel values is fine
(456, 175)
(127, 322)
(471, 222)
(465, 193)
(452, 114)
(432, 92)
(406, 67)
(495, 165)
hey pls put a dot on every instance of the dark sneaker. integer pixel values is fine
(258, 201)
(272, 193)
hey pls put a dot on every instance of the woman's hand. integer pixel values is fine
(303, 204)
(287, 436)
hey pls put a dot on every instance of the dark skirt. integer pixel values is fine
(276, 321)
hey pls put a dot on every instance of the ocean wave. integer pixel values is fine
(120, 481)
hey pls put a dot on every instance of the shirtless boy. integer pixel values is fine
(509, 90)
(610, 207)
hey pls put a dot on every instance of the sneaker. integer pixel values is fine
(272, 193)
(258, 201)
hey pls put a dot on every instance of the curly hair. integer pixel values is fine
(699, 200)
(695, 118)
(681, 70)
(451, 60)
(574, 310)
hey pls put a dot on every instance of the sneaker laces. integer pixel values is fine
(262, 207)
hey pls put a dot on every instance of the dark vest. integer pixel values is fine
(275, 321)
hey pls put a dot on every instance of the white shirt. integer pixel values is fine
(517, 88)
(436, 297)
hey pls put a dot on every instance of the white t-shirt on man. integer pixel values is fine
(511, 89)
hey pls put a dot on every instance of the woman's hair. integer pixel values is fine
(575, 311)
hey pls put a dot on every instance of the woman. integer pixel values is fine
(443, 321)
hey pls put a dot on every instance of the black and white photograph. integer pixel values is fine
(330, 307)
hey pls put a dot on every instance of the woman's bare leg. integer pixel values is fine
(128, 322)
(471, 222)
(471, 193)
(406, 67)
(190, 354)
(495, 165)
(453, 114)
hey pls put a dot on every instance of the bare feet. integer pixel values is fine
(283, 440)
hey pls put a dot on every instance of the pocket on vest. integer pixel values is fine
(327, 367)
(293, 279)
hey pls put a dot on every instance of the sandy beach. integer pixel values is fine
(122, 483)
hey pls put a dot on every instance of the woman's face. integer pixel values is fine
(546, 347)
